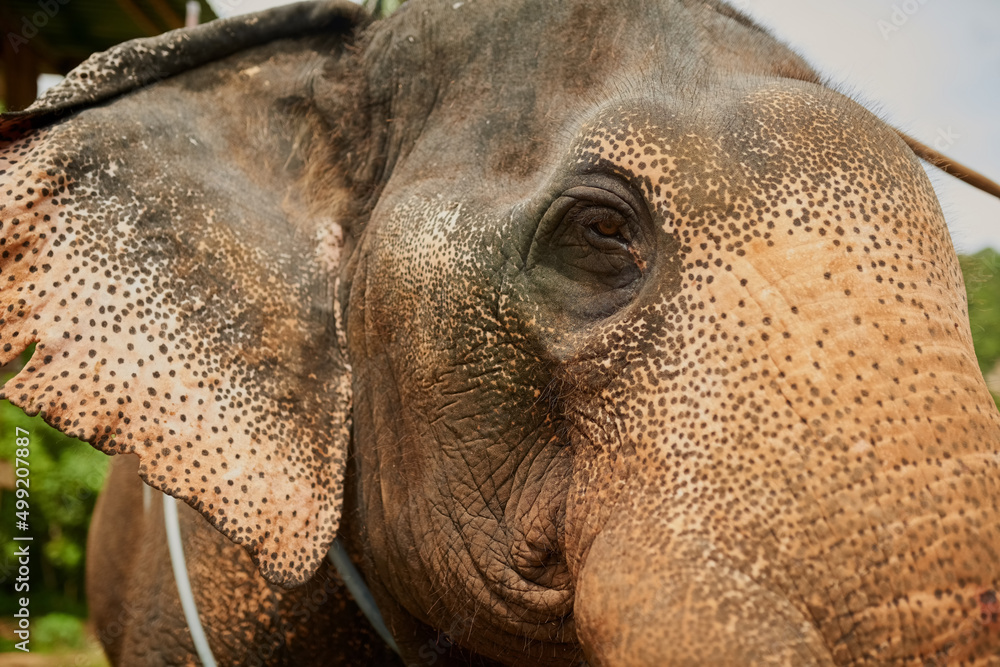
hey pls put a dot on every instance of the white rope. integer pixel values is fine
(359, 590)
(176, 548)
(337, 555)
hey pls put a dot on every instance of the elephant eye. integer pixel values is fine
(602, 225)
(609, 226)
(590, 251)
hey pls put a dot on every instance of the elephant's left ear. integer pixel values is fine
(169, 238)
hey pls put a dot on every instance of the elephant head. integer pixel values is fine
(601, 332)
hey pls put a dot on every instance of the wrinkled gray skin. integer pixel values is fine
(601, 332)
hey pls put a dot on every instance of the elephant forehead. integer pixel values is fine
(761, 147)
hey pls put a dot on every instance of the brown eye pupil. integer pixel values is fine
(609, 227)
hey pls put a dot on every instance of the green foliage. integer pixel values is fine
(56, 631)
(382, 8)
(982, 285)
(63, 635)
(65, 478)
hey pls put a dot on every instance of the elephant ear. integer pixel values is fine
(170, 240)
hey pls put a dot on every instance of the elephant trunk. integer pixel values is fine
(810, 546)
(693, 602)
(685, 605)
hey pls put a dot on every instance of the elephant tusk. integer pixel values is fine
(949, 166)
(359, 590)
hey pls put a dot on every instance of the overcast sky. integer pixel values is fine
(930, 67)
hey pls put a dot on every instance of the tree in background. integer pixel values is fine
(64, 479)
(982, 285)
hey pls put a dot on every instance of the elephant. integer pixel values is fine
(600, 333)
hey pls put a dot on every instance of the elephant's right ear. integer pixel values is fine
(169, 237)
